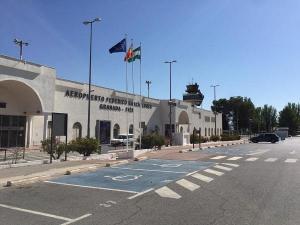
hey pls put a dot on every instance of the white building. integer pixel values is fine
(29, 93)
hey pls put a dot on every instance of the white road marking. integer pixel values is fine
(291, 160)
(187, 184)
(168, 165)
(223, 168)
(36, 212)
(91, 187)
(125, 178)
(235, 158)
(262, 151)
(162, 171)
(230, 164)
(166, 192)
(77, 219)
(202, 177)
(252, 159)
(219, 157)
(292, 152)
(271, 160)
(215, 172)
(189, 174)
(141, 193)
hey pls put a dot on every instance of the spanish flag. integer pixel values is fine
(129, 54)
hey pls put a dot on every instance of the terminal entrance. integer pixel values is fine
(12, 131)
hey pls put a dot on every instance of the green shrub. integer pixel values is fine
(204, 139)
(57, 148)
(194, 139)
(152, 140)
(158, 140)
(227, 137)
(214, 138)
(85, 146)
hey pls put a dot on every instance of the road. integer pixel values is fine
(251, 184)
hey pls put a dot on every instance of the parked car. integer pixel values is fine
(121, 140)
(266, 137)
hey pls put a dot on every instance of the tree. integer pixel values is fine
(222, 106)
(237, 112)
(290, 117)
(268, 118)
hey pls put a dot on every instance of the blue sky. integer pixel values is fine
(250, 47)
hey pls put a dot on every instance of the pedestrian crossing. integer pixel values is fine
(252, 159)
(210, 174)
(204, 177)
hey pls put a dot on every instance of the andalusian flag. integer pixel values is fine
(136, 54)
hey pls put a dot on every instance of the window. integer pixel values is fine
(77, 130)
(181, 129)
(116, 130)
(213, 119)
(205, 131)
(2, 105)
(208, 131)
(130, 129)
(207, 119)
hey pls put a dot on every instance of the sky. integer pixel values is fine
(251, 48)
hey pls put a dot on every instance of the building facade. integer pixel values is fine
(30, 92)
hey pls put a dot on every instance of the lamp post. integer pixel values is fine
(170, 101)
(21, 43)
(148, 82)
(214, 86)
(90, 22)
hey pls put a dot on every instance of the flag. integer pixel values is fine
(129, 54)
(119, 47)
(136, 54)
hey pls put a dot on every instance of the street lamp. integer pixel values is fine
(215, 112)
(90, 22)
(21, 43)
(148, 82)
(170, 101)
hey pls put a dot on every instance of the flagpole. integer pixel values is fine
(140, 124)
(127, 102)
(127, 108)
(132, 80)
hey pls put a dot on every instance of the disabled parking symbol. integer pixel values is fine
(167, 165)
(125, 177)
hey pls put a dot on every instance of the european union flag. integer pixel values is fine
(120, 47)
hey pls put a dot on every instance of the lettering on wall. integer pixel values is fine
(107, 103)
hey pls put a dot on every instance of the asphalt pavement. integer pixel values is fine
(250, 184)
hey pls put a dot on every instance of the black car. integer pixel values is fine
(266, 137)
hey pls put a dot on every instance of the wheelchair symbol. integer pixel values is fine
(125, 177)
(168, 165)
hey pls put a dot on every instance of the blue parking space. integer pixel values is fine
(135, 177)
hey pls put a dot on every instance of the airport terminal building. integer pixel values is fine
(30, 93)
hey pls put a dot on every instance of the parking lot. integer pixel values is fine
(87, 192)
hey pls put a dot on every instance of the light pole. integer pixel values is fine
(215, 112)
(170, 101)
(148, 82)
(21, 43)
(90, 22)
